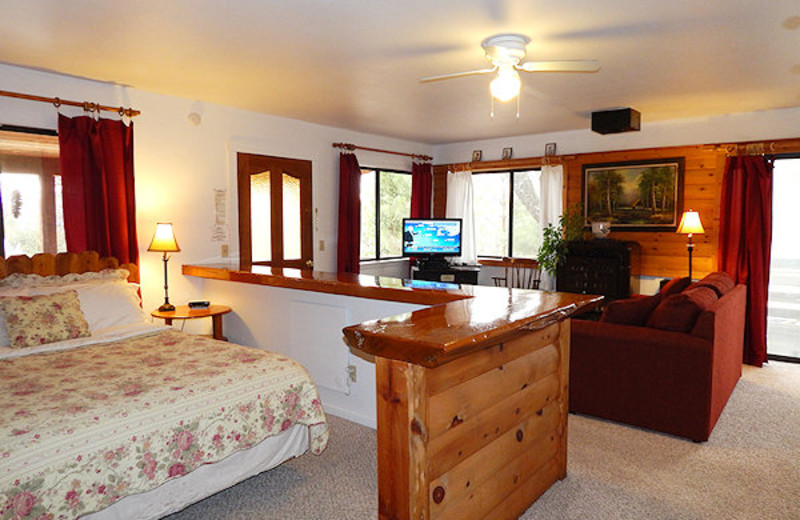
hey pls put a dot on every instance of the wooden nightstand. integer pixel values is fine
(183, 312)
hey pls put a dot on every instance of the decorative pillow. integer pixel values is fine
(674, 286)
(633, 311)
(719, 282)
(35, 320)
(679, 312)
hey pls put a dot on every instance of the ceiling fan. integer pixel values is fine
(506, 52)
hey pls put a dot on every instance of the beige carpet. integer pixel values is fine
(749, 469)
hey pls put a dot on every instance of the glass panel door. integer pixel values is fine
(783, 304)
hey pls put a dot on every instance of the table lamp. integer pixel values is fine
(690, 224)
(164, 242)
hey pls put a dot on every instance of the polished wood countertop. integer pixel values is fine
(346, 284)
(458, 321)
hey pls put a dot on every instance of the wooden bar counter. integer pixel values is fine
(471, 391)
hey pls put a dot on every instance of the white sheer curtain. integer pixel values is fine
(552, 188)
(460, 205)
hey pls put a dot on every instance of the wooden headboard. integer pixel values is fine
(46, 264)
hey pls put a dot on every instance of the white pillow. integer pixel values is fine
(110, 305)
(104, 302)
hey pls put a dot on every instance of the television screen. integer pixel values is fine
(431, 237)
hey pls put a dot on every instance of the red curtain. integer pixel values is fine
(745, 239)
(96, 157)
(421, 190)
(349, 234)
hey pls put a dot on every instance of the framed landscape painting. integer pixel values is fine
(636, 195)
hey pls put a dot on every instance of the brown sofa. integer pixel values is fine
(666, 362)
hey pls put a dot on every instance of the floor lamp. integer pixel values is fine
(690, 224)
(164, 242)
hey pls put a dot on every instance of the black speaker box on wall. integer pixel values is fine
(616, 121)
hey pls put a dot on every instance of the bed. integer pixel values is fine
(107, 415)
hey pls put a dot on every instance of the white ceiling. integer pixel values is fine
(356, 63)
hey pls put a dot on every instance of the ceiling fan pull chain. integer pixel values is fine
(491, 114)
(518, 106)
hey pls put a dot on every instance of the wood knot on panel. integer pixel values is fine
(539, 412)
(456, 421)
(416, 427)
(520, 435)
(438, 494)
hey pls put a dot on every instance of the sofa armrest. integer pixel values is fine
(729, 323)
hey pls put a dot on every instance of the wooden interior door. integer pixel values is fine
(275, 217)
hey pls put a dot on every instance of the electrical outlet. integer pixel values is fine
(322, 245)
(351, 373)
(223, 250)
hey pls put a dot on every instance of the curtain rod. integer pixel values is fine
(86, 105)
(351, 147)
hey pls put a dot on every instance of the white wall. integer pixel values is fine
(307, 326)
(178, 164)
(752, 126)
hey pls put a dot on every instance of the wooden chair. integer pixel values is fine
(520, 273)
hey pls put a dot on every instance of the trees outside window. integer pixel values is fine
(507, 213)
(385, 202)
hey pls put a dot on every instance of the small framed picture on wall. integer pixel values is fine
(476, 155)
(550, 149)
(507, 153)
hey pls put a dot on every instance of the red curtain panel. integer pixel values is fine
(745, 239)
(96, 157)
(349, 232)
(421, 190)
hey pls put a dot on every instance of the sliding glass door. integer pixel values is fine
(783, 306)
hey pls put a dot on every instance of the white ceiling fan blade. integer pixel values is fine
(560, 66)
(457, 75)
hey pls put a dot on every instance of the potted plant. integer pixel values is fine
(555, 239)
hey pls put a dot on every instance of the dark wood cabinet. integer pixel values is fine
(600, 266)
(443, 272)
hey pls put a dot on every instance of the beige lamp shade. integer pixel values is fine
(164, 239)
(690, 223)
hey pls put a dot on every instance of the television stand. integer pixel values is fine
(440, 270)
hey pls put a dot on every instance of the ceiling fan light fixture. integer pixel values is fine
(506, 85)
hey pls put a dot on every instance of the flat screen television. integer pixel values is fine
(431, 237)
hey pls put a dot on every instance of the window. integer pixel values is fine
(385, 201)
(507, 213)
(275, 225)
(30, 191)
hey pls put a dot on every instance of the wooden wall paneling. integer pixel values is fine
(663, 254)
(439, 190)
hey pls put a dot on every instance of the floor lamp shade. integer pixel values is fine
(164, 242)
(690, 225)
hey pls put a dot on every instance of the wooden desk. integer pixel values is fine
(183, 312)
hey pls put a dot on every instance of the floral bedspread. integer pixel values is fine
(82, 428)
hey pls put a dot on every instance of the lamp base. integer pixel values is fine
(167, 307)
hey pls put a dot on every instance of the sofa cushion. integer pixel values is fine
(633, 311)
(679, 312)
(674, 286)
(720, 282)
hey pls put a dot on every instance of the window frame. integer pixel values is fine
(510, 236)
(377, 209)
(47, 176)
